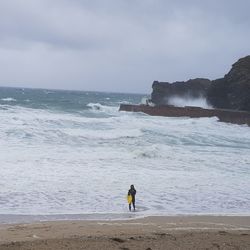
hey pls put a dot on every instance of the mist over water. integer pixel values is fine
(70, 152)
(189, 101)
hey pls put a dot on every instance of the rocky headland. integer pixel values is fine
(227, 98)
(230, 92)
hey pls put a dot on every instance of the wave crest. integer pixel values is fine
(102, 108)
(8, 99)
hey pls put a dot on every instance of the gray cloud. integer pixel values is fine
(119, 45)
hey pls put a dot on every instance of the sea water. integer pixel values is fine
(73, 152)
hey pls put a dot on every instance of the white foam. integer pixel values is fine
(8, 99)
(103, 108)
(62, 163)
(188, 101)
(103, 133)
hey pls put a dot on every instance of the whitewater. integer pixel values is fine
(73, 152)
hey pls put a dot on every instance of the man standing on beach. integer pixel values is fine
(132, 192)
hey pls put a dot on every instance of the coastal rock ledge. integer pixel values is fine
(230, 92)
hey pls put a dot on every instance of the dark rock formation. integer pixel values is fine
(193, 88)
(231, 116)
(230, 92)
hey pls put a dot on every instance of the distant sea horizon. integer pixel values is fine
(78, 90)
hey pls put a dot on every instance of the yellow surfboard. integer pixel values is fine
(129, 198)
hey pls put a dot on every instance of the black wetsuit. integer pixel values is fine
(132, 192)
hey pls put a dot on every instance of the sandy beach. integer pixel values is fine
(175, 232)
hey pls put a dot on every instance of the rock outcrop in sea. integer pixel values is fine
(230, 92)
(193, 88)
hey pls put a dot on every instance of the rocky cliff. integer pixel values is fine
(194, 88)
(230, 92)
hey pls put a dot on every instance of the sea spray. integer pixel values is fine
(189, 101)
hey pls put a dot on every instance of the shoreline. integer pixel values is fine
(153, 232)
(8, 219)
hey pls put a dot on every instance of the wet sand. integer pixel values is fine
(175, 232)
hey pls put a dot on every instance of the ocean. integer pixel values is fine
(68, 153)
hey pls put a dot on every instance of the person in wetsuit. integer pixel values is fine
(132, 192)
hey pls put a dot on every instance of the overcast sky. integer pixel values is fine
(119, 45)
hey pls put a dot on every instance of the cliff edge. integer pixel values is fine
(230, 92)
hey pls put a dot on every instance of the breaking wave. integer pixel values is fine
(102, 108)
(189, 101)
(178, 165)
(8, 99)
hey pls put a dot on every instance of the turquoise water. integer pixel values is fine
(62, 100)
